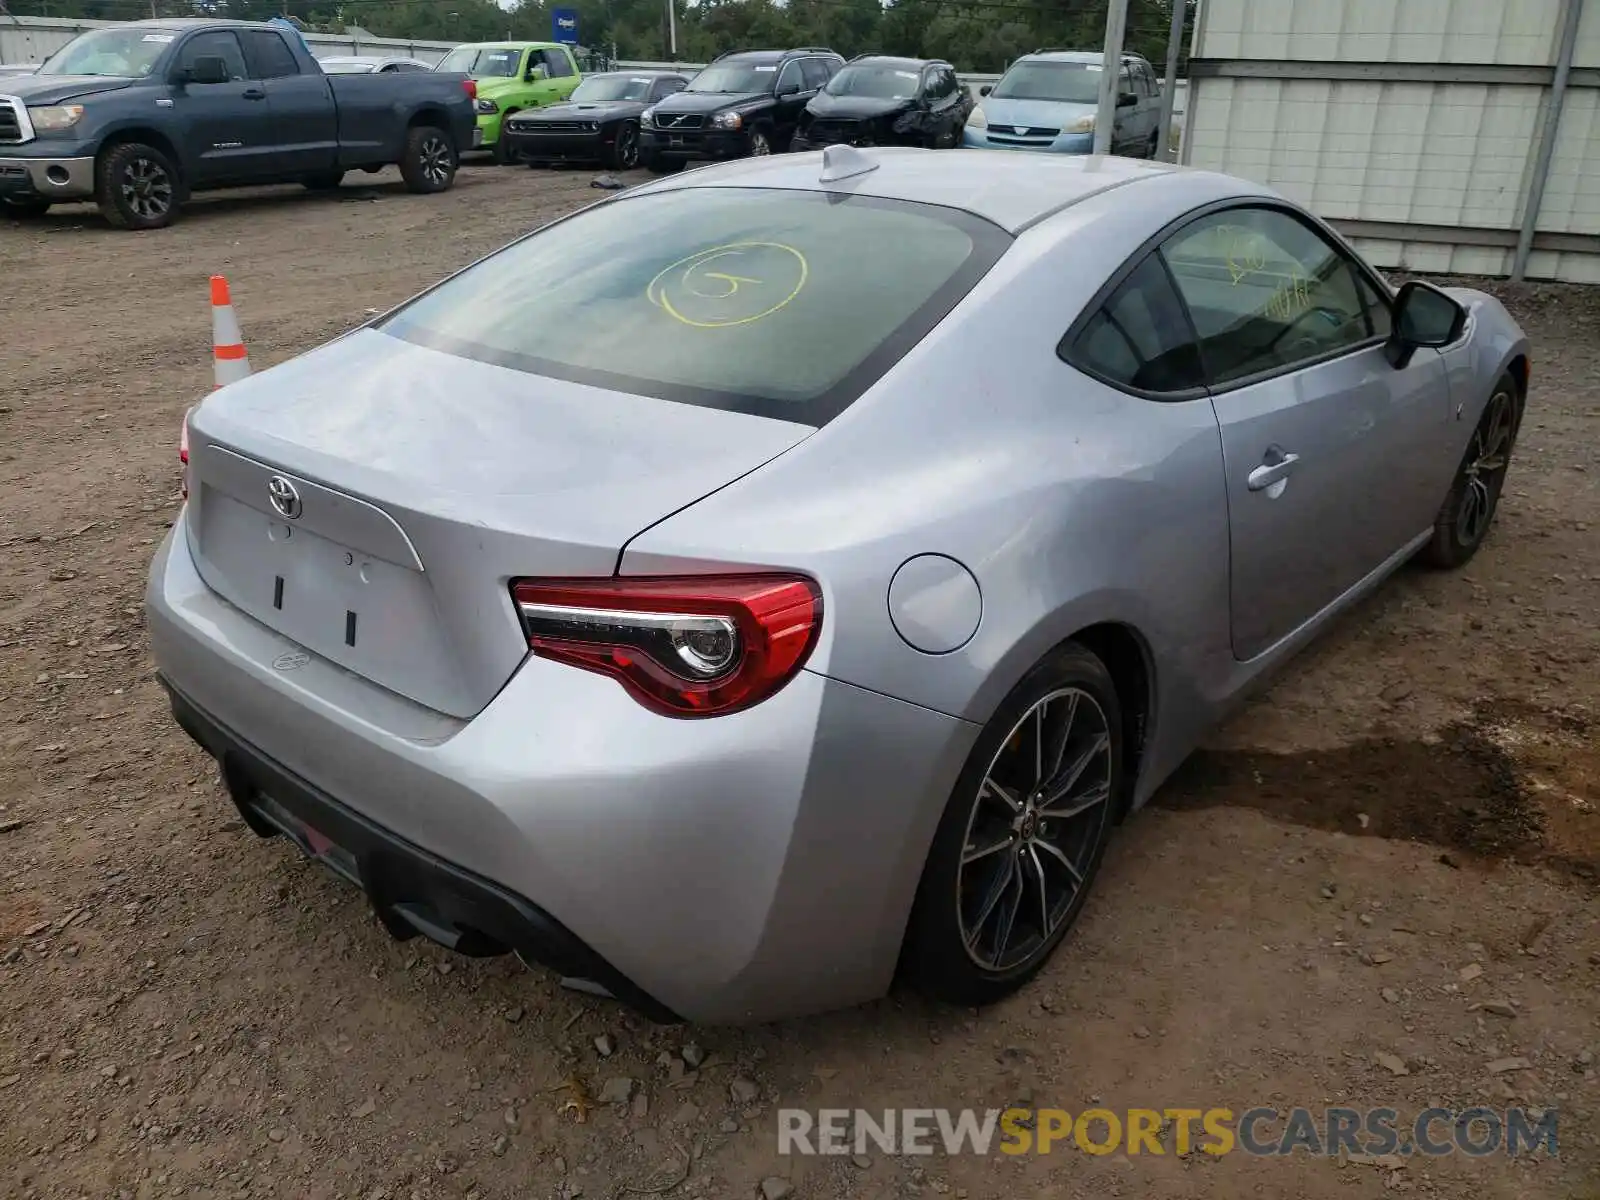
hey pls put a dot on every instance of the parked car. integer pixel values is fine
(370, 64)
(512, 77)
(747, 102)
(138, 116)
(1049, 100)
(878, 100)
(600, 123)
(692, 630)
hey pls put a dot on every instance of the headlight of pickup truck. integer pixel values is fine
(727, 121)
(56, 116)
(488, 106)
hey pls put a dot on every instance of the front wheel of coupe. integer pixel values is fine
(1464, 518)
(1022, 835)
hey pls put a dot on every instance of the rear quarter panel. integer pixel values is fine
(376, 110)
(1071, 503)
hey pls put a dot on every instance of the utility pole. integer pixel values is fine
(1169, 85)
(1110, 75)
(672, 33)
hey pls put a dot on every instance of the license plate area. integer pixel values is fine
(364, 613)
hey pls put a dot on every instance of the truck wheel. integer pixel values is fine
(136, 187)
(324, 181)
(23, 210)
(429, 161)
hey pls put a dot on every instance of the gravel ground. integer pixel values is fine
(1376, 886)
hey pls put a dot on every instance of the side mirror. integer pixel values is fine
(206, 68)
(1425, 317)
(986, 89)
(1127, 100)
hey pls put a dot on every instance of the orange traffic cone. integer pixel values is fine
(229, 362)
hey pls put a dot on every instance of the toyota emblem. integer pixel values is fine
(285, 497)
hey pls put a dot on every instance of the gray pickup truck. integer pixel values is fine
(136, 117)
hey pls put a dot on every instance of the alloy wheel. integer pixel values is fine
(147, 189)
(1035, 824)
(435, 160)
(759, 145)
(628, 148)
(1490, 455)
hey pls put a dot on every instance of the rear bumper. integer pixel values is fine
(412, 891)
(746, 868)
(47, 178)
(694, 143)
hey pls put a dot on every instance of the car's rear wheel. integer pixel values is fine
(23, 210)
(1022, 835)
(428, 163)
(136, 187)
(624, 152)
(1464, 518)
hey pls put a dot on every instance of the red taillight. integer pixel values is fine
(685, 646)
(471, 86)
(183, 453)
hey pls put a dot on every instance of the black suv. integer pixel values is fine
(747, 102)
(879, 100)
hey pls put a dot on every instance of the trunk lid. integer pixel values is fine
(373, 499)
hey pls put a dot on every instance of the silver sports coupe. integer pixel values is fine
(785, 575)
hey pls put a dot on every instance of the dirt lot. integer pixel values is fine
(1377, 881)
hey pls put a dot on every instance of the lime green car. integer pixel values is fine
(512, 76)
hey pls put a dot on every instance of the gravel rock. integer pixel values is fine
(617, 1091)
(603, 1046)
(744, 1091)
(694, 1055)
(774, 1188)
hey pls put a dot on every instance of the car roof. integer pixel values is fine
(1010, 190)
(894, 60)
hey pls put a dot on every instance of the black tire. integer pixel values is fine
(429, 162)
(502, 149)
(662, 166)
(1153, 144)
(23, 210)
(758, 142)
(137, 187)
(327, 181)
(998, 837)
(1468, 510)
(624, 152)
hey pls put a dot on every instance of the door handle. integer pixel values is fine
(1269, 473)
(254, 94)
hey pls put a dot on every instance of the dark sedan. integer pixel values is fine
(600, 123)
(876, 100)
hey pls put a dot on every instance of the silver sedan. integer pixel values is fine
(792, 571)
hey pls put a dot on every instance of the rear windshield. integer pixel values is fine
(1074, 82)
(482, 62)
(786, 304)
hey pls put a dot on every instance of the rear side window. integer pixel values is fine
(1140, 338)
(556, 64)
(815, 71)
(666, 87)
(269, 55)
(779, 303)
